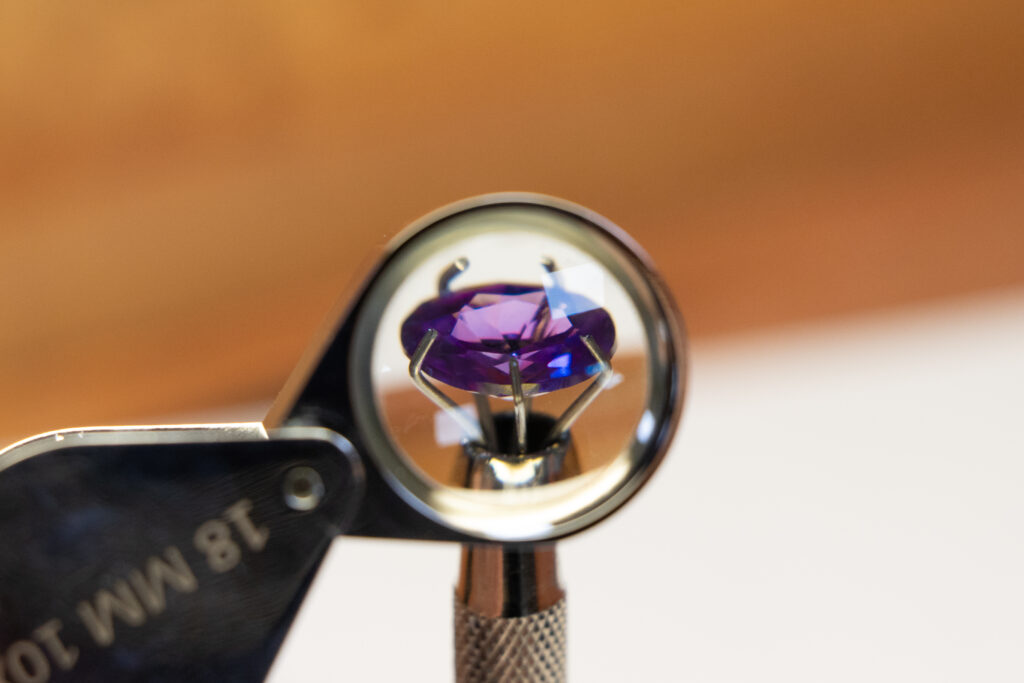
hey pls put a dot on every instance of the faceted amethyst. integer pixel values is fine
(480, 329)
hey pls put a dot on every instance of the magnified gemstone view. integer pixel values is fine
(486, 334)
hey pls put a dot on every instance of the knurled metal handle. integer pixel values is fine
(529, 649)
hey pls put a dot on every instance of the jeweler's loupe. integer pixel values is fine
(512, 371)
(516, 369)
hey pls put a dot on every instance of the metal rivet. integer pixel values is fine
(303, 489)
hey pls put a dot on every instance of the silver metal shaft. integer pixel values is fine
(510, 608)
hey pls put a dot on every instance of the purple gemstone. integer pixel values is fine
(480, 329)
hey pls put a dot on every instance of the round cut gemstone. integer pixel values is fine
(480, 329)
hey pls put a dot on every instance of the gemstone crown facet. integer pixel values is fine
(480, 329)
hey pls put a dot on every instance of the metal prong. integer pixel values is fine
(518, 403)
(486, 418)
(573, 412)
(454, 269)
(441, 400)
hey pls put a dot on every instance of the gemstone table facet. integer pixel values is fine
(481, 328)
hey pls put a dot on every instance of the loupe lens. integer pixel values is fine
(518, 369)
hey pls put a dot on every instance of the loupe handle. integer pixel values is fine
(163, 554)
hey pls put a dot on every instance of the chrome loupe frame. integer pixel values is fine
(336, 387)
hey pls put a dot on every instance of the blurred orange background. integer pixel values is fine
(187, 188)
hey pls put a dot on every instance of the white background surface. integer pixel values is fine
(844, 503)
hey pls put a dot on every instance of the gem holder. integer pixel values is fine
(533, 334)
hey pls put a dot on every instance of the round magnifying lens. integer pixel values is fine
(521, 368)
